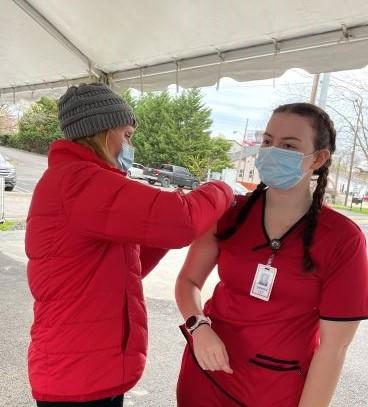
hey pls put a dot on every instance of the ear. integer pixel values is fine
(320, 159)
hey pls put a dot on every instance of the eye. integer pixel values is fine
(128, 136)
(288, 146)
(266, 142)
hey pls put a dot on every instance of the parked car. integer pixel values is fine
(7, 171)
(136, 171)
(240, 189)
(169, 174)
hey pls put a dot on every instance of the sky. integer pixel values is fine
(235, 102)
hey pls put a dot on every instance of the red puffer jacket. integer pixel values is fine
(91, 236)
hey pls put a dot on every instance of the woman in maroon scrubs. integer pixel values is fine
(293, 281)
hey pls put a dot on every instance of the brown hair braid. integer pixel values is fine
(243, 213)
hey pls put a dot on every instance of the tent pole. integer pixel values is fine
(314, 88)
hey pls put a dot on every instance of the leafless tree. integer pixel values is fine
(7, 122)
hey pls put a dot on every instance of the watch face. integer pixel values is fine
(190, 322)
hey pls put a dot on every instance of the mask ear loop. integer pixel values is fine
(314, 176)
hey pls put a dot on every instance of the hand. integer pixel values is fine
(209, 350)
(180, 190)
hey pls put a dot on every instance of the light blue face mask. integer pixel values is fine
(126, 157)
(279, 168)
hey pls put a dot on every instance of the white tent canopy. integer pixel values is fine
(46, 45)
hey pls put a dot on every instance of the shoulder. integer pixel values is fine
(337, 223)
(338, 237)
(84, 177)
(229, 217)
(240, 200)
(340, 252)
(85, 170)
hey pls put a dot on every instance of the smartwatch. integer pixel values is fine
(193, 322)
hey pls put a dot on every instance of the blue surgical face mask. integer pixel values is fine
(126, 156)
(279, 168)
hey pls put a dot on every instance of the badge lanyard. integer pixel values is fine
(265, 275)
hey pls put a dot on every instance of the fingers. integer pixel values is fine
(202, 363)
(226, 363)
(210, 351)
(207, 361)
(223, 360)
(215, 360)
(211, 361)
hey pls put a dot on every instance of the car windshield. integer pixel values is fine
(2, 159)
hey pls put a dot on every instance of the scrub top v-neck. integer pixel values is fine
(275, 243)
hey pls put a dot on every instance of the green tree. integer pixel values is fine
(218, 154)
(39, 126)
(214, 158)
(155, 140)
(176, 130)
(191, 120)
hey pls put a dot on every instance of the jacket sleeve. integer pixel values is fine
(150, 257)
(103, 204)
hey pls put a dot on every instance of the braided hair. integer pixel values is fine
(243, 213)
(325, 138)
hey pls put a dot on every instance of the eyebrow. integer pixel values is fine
(283, 138)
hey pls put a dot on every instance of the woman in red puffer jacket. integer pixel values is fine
(92, 235)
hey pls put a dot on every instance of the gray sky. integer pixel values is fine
(234, 102)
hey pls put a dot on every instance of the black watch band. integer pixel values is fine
(200, 324)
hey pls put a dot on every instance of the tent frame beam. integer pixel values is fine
(273, 48)
(58, 35)
(63, 83)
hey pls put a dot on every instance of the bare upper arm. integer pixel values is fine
(201, 259)
(337, 334)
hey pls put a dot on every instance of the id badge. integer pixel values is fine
(263, 282)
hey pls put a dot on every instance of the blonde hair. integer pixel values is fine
(98, 144)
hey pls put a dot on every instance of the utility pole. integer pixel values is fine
(314, 88)
(324, 90)
(242, 150)
(360, 102)
(337, 179)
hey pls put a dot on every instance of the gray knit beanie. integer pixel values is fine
(85, 110)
